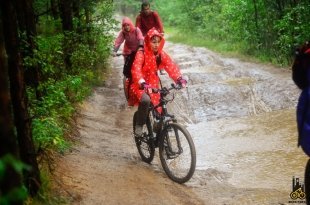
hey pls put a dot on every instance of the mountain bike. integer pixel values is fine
(176, 148)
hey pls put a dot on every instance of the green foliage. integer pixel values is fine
(46, 194)
(175, 18)
(48, 26)
(16, 194)
(54, 110)
(40, 6)
(48, 133)
(266, 29)
(83, 58)
(292, 28)
(63, 88)
(49, 56)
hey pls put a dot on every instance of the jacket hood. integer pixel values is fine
(127, 20)
(147, 40)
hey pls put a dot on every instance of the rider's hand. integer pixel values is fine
(181, 82)
(144, 86)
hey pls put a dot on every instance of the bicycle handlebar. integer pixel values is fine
(164, 90)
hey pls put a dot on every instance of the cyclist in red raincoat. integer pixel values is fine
(144, 74)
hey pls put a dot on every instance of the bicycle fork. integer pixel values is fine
(171, 154)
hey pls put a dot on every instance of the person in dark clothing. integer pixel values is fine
(148, 19)
(301, 77)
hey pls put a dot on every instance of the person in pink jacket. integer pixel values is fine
(133, 39)
(144, 75)
(131, 35)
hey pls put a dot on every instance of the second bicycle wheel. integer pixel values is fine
(177, 153)
(144, 144)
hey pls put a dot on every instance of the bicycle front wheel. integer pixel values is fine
(145, 144)
(177, 153)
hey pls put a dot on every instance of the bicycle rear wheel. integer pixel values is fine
(145, 144)
(177, 153)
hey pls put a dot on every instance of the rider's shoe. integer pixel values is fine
(138, 130)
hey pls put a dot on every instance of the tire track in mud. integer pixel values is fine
(104, 167)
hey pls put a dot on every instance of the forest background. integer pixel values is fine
(54, 51)
(269, 30)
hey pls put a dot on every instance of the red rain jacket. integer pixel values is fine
(144, 69)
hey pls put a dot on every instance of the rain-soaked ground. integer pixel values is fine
(241, 116)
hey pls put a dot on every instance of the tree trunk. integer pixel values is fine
(19, 98)
(26, 20)
(88, 28)
(280, 7)
(65, 7)
(8, 141)
(54, 9)
(256, 16)
(76, 14)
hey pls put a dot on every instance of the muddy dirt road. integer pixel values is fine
(241, 116)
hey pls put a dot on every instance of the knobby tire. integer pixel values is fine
(180, 167)
(145, 144)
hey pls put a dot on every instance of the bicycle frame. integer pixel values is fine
(164, 117)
